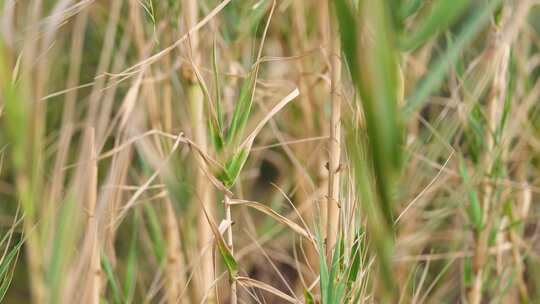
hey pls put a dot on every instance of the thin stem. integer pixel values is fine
(95, 258)
(230, 243)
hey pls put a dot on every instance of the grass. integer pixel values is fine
(263, 151)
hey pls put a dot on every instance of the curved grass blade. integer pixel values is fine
(7, 266)
(308, 297)
(276, 216)
(249, 282)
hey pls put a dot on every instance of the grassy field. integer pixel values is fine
(269, 151)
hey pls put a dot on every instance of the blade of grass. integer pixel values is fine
(442, 15)
(439, 69)
(375, 76)
(7, 267)
(224, 249)
(248, 282)
(380, 233)
(247, 93)
(109, 272)
(410, 7)
(474, 209)
(276, 216)
(156, 232)
(131, 268)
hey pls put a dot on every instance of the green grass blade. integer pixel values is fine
(6, 268)
(410, 7)
(233, 167)
(474, 209)
(375, 72)
(442, 15)
(156, 233)
(64, 237)
(216, 126)
(323, 269)
(111, 279)
(241, 110)
(131, 267)
(308, 297)
(217, 84)
(224, 251)
(348, 33)
(355, 260)
(228, 260)
(439, 69)
(379, 231)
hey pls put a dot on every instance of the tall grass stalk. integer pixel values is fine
(203, 192)
(95, 281)
(334, 142)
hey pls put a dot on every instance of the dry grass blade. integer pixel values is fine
(130, 99)
(251, 283)
(276, 216)
(248, 142)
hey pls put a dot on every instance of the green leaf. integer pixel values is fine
(467, 271)
(107, 267)
(348, 34)
(216, 126)
(338, 285)
(334, 270)
(442, 15)
(215, 136)
(224, 251)
(410, 7)
(233, 167)
(380, 232)
(131, 268)
(324, 281)
(156, 233)
(355, 260)
(474, 210)
(6, 268)
(308, 297)
(241, 110)
(474, 132)
(15, 112)
(228, 260)
(62, 240)
(375, 73)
